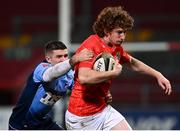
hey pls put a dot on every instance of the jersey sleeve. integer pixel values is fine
(38, 72)
(125, 57)
(122, 55)
(60, 85)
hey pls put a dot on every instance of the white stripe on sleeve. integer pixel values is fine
(56, 71)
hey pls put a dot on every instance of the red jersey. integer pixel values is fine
(87, 100)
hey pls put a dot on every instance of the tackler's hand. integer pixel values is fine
(85, 54)
(108, 97)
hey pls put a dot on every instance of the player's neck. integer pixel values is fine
(107, 42)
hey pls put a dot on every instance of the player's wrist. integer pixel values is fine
(73, 61)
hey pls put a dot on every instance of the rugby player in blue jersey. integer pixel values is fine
(47, 84)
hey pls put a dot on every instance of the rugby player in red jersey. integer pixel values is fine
(87, 106)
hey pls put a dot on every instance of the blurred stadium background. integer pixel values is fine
(155, 39)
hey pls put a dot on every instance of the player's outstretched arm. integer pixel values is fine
(63, 67)
(139, 66)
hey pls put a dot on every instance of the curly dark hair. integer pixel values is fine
(110, 18)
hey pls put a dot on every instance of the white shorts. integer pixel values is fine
(104, 120)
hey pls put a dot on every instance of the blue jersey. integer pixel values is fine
(38, 98)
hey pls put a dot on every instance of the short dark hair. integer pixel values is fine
(54, 45)
(111, 18)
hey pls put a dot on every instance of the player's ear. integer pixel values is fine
(48, 58)
(106, 32)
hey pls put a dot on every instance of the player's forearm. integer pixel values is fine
(56, 70)
(141, 67)
(94, 77)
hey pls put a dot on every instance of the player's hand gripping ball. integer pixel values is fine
(104, 62)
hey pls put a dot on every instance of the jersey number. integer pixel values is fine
(49, 99)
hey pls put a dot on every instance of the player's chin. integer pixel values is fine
(119, 42)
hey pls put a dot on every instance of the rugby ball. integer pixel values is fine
(104, 62)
